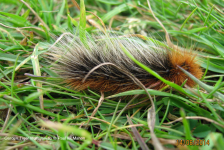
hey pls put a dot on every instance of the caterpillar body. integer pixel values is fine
(75, 59)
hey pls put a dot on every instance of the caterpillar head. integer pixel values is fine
(186, 60)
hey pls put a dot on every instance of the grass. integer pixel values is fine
(81, 120)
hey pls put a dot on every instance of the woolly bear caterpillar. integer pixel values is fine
(74, 60)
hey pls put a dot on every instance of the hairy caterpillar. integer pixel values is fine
(75, 59)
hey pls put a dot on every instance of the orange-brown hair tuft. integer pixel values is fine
(186, 60)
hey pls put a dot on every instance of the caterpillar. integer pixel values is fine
(73, 60)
